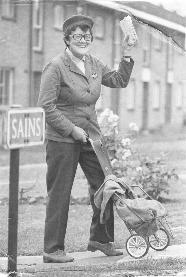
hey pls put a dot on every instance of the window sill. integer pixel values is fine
(146, 65)
(158, 49)
(99, 37)
(37, 50)
(59, 29)
(9, 18)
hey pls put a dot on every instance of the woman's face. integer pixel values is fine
(79, 42)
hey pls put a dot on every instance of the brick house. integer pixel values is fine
(30, 35)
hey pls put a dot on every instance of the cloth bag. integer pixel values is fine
(140, 214)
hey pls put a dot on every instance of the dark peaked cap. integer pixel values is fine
(76, 20)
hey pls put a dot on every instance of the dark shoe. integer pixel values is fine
(107, 248)
(57, 257)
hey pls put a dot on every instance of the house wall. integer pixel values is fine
(158, 68)
(135, 114)
(179, 77)
(53, 38)
(102, 48)
(14, 52)
(158, 74)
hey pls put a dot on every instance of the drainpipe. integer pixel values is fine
(115, 61)
(166, 78)
(113, 95)
(30, 52)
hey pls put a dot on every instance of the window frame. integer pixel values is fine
(179, 100)
(97, 33)
(156, 104)
(158, 45)
(56, 26)
(38, 27)
(3, 85)
(69, 7)
(131, 91)
(170, 55)
(146, 49)
(117, 43)
(8, 15)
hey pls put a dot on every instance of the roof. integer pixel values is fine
(146, 13)
(156, 9)
(156, 17)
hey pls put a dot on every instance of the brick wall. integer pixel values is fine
(14, 52)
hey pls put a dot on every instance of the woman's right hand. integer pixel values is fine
(79, 134)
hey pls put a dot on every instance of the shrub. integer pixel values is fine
(152, 175)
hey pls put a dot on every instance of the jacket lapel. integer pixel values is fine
(87, 67)
(72, 66)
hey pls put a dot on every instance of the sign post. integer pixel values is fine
(18, 128)
(13, 212)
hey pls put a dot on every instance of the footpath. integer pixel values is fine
(85, 263)
(97, 264)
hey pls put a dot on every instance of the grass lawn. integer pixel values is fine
(173, 144)
(31, 217)
(31, 225)
(34, 154)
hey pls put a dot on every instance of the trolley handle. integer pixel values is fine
(137, 186)
(102, 155)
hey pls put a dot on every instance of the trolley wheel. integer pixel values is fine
(137, 246)
(159, 240)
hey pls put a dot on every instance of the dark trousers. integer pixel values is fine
(62, 159)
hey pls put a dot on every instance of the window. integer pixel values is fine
(117, 43)
(156, 93)
(179, 96)
(170, 55)
(37, 25)
(58, 16)
(145, 57)
(131, 94)
(99, 27)
(6, 85)
(158, 43)
(146, 45)
(8, 9)
(70, 10)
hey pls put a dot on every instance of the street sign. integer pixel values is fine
(22, 127)
(19, 127)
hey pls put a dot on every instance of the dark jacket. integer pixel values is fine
(69, 97)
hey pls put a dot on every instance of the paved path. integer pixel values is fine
(96, 262)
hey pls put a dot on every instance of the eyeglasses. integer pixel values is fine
(78, 37)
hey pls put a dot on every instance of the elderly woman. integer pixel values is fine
(70, 87)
